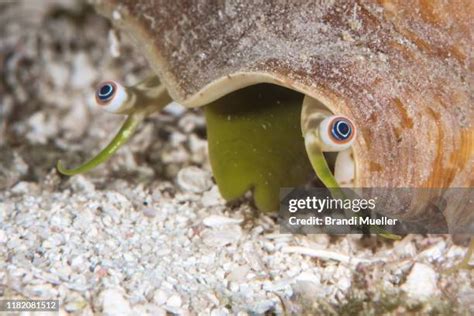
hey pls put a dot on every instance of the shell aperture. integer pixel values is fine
(255, 144)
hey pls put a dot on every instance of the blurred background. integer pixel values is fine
(53, 55)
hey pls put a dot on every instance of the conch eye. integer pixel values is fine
(337, 133)
(111, 96)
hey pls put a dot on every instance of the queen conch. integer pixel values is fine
(400, 71)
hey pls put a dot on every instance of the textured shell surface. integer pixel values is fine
(402, 71)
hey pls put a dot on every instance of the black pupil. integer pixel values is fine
(106, 92)
(341, 130)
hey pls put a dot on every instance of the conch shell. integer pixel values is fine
(401, 71)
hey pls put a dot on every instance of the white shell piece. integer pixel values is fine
(344, 169)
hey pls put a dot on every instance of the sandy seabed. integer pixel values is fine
(148, 233)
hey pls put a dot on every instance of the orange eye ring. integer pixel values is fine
(341, 130)
(105, 92)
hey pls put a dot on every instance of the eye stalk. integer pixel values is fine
(137, 102)
(336, 133)
(112, 97)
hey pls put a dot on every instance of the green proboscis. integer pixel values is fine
(255, 143)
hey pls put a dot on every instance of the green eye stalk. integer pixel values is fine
(137, 102)
(324, 132)
(332, 134)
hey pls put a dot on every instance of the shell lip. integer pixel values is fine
(238, 80)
